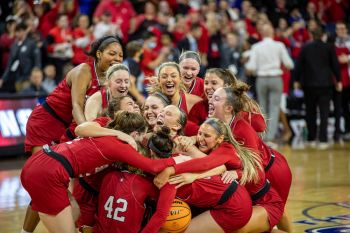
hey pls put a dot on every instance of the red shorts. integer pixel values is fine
(42, 128)
(235, 212)
(46, 181)
(280, 176)
(273, 205)
(87, 204)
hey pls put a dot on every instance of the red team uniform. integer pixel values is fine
(191, 128)
(199, 112)
(197, 87)
(121, 205)
(276, 168)
(48, 121)
(262, 194)
(231, 211)
(46, 174)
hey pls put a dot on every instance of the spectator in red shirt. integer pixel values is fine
(83, 37)
(6, 41)
(60, 44)
(152, 59)
(122, 12)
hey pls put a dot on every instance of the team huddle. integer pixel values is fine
(101, 162)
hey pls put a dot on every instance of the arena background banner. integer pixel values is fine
(14, 113)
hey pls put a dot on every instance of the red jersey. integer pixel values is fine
(256, 120)
(340, 49)
(60, 100)
(79, 51)
(104, 95)
(122, 203)
(199, 112)
(224, 154)
(191, 129)
(197, 87)
(207, 192)
(46, 180)
(183, 103)
(280, 174)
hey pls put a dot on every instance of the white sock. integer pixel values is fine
(23, 231)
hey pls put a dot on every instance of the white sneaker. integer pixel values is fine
(323, 145)
(311, 144)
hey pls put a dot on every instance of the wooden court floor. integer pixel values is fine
(319, 200)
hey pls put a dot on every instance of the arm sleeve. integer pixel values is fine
(122, 152)
(286, 60)
(218, 157)
(165, 200)
(252, 62)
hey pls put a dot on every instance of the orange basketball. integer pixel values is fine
(179, 217)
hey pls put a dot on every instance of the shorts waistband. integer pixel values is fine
(272, 159)
(256, 196)
(228, 192)
(52, 112)
(60, 158)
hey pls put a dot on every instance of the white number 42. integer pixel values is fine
(109, 208)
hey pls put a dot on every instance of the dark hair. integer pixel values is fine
(225, 75)
(101, 44)
(148, 34)
(195, 26)
(133, 47)
(160, 143)
(21, 27)
(317, 33)
(128, 122)
(114, 106)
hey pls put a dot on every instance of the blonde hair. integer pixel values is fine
(251, 161)
(115, 68)
(155, 87)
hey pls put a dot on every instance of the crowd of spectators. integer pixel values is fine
(52, 36)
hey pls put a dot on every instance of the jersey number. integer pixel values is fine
(109, 208)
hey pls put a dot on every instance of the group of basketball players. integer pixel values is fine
(197, 140)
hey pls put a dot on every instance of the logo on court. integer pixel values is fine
(327, 218)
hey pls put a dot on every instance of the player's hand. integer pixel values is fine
(229, 176)
(181, 158)
(162, 178)
(183, 179)
(184, 143)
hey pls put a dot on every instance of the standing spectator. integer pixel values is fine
(6, 41)
(121, 12)
(190, 41)
(49, 83)
(151, 58)
(24, 55)
(36, 83)
(265, 60)
(83, 37)
(105, 27)
(231, 55)
(315, 67)
(59, 47)
(134, 54)
(342, 46)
